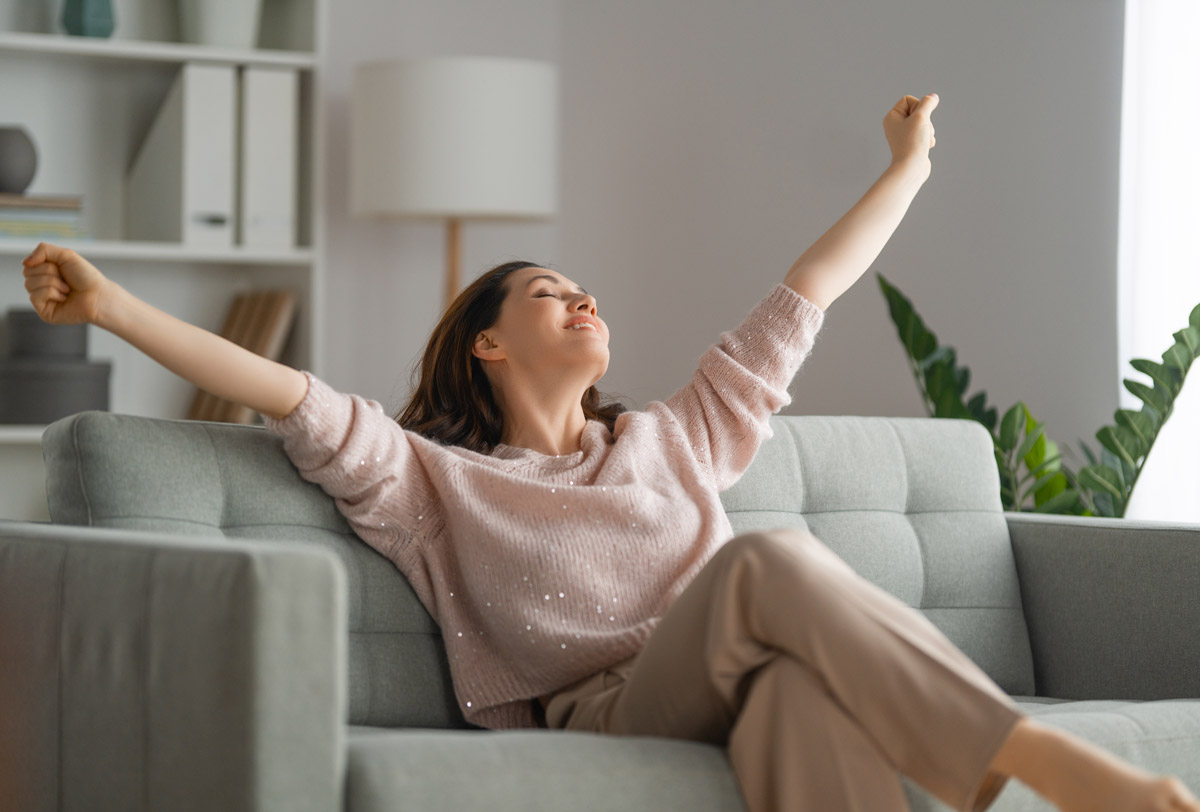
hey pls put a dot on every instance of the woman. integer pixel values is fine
(576, 557)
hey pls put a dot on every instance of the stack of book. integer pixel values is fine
(36, 217)
(259, 321)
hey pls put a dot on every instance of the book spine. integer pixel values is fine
(40, 202)
(40, 215)
(48, 230)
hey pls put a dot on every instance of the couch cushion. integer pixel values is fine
(447, 771)
(232, 481)
(533, 770)
(913, 504)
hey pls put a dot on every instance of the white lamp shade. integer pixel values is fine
(454, 137)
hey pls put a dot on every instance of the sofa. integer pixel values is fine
(198, 628)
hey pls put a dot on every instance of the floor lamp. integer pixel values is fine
(454, 138)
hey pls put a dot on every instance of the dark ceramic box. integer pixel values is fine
(37, 391)
(30, 337)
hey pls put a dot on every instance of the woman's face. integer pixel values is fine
(537, 332)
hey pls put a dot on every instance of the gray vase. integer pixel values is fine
(18, 160)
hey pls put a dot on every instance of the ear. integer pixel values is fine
(486, 349)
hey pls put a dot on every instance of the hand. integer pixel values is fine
(909, 129)
(64, 288)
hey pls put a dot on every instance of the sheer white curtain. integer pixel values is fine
(1159, 241)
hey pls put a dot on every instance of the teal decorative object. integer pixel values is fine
(88, 18)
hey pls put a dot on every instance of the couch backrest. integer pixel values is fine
(225, 480)
(912, 504)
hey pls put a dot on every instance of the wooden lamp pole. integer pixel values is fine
(452, 261)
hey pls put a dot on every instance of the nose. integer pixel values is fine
(586, 303)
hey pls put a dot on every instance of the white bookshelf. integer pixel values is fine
(21, 435)
(88, 103)
(170, 53)
(166, 252)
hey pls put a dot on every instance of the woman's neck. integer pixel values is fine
(549, 423)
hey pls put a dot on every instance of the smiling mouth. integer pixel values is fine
(583, 325)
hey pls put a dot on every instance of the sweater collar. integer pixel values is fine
(592, 432)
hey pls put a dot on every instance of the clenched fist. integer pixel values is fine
(909, 129)
(64, 288)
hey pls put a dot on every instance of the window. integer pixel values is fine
(1159, 241)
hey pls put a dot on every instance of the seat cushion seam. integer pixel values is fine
(87, 503)
(220, 476)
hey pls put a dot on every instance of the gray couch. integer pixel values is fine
(199, 628)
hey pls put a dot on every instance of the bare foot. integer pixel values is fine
(1078, 776)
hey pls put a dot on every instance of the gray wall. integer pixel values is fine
(384, 280)
(707, 145)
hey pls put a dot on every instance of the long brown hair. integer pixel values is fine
(452, 401)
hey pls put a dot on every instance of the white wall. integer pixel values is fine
(707, 144)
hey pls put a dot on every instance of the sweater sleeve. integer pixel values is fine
(359, 456)
(742, 380)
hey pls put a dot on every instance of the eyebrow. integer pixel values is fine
(552, 279)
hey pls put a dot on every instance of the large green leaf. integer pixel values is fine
(1190, 336)
(1168, 378)
(977, 406)
(1044, 468)
(1102, 478)
(1122, 442)
(940, 354)
(1043, 461)
(917, 340)
(1061, 503)
(1140, 424)
(1155, 398)
(1013, 419)
(1180, 354)
(936, 369)
(1124, 472)
(1027, 443)
(1104, 504)
(1044, 491)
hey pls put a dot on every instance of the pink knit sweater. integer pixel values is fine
(541, 570)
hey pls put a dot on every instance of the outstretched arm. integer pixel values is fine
(65, 288)
(741, 381)
(835, 262)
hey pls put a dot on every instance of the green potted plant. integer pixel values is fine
(1029, 462)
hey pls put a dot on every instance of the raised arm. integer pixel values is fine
(835, 262)
(65, 288)
(743, 379)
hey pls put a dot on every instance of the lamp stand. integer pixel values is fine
(452, 261)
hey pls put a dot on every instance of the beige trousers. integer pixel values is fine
(822, 686)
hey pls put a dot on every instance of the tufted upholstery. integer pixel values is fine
(916, 514)
(222, 480)
(913, 505)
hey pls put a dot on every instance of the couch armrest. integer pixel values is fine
(1112, 605)
(156, 671)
